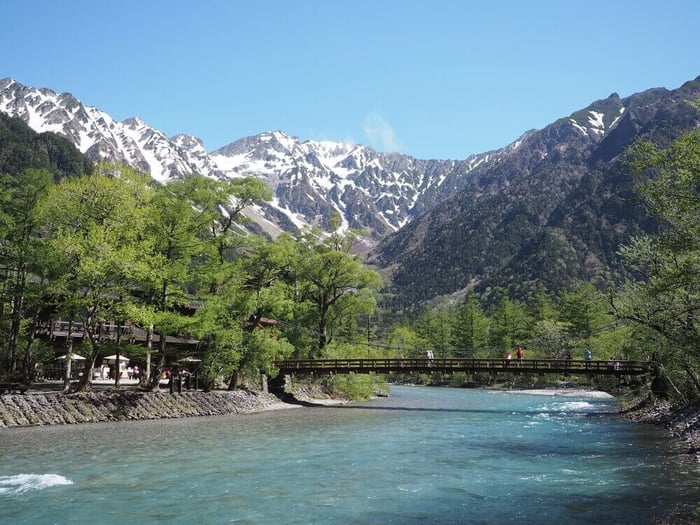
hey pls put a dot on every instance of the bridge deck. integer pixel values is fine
(451, 365)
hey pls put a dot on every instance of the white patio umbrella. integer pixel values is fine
(113, 358)
(74, 357)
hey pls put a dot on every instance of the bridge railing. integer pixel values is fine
(398, 365)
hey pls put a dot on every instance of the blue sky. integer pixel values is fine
(435, 79)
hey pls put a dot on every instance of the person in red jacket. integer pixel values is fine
(520, 354)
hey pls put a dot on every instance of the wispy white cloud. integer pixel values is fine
(381, 135)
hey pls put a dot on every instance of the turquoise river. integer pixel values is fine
(422, 455)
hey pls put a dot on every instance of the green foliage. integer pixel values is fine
(470, 336)
(584, 310)
(113, 245)
(405, 342)
(24, 263)
(261, 348)
(93, 227)
(551, 340)
(434, 328)
(356, 387)
(331, 285)
(540, 305)
(510, 324)
(670, 188)
(664, 298)
(220, 360)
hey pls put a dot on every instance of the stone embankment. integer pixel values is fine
(93, 407)
(682, 423)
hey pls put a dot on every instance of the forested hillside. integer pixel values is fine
(553, 211)
(22, 148)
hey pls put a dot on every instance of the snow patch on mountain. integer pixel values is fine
(311, 180)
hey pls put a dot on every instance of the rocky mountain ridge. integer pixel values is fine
(553, 211)
(311, 180)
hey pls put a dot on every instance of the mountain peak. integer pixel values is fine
(134, 122)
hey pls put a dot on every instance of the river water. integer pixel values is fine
(423, 455)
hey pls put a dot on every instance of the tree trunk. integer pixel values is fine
(692, 375)
(146, 374)
(10, 363)
(69, 358)
(15, 321)
(86, 379)
(118, 363)
(160, 367)
(233, 383)
(322, 335)
(29, 369)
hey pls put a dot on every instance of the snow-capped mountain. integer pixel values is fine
(99, 136)
(311, 180)
(554, 205)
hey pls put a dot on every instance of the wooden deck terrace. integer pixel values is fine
(452, 365)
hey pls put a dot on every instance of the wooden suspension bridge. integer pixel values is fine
(318, 367)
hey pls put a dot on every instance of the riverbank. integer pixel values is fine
(37, 409)
(683, 424)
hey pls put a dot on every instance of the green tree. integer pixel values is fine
(540, 305)
(254, 300)
(23, 264)
(94, 229)
(472, 329)
(177, 227)
(404, 341)
(331, 283)
(552, 339)
(434, 328)
(509, 324)
(584, 310)
(664, 296)
(240, 273)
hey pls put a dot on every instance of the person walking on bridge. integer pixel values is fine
(519, 353)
